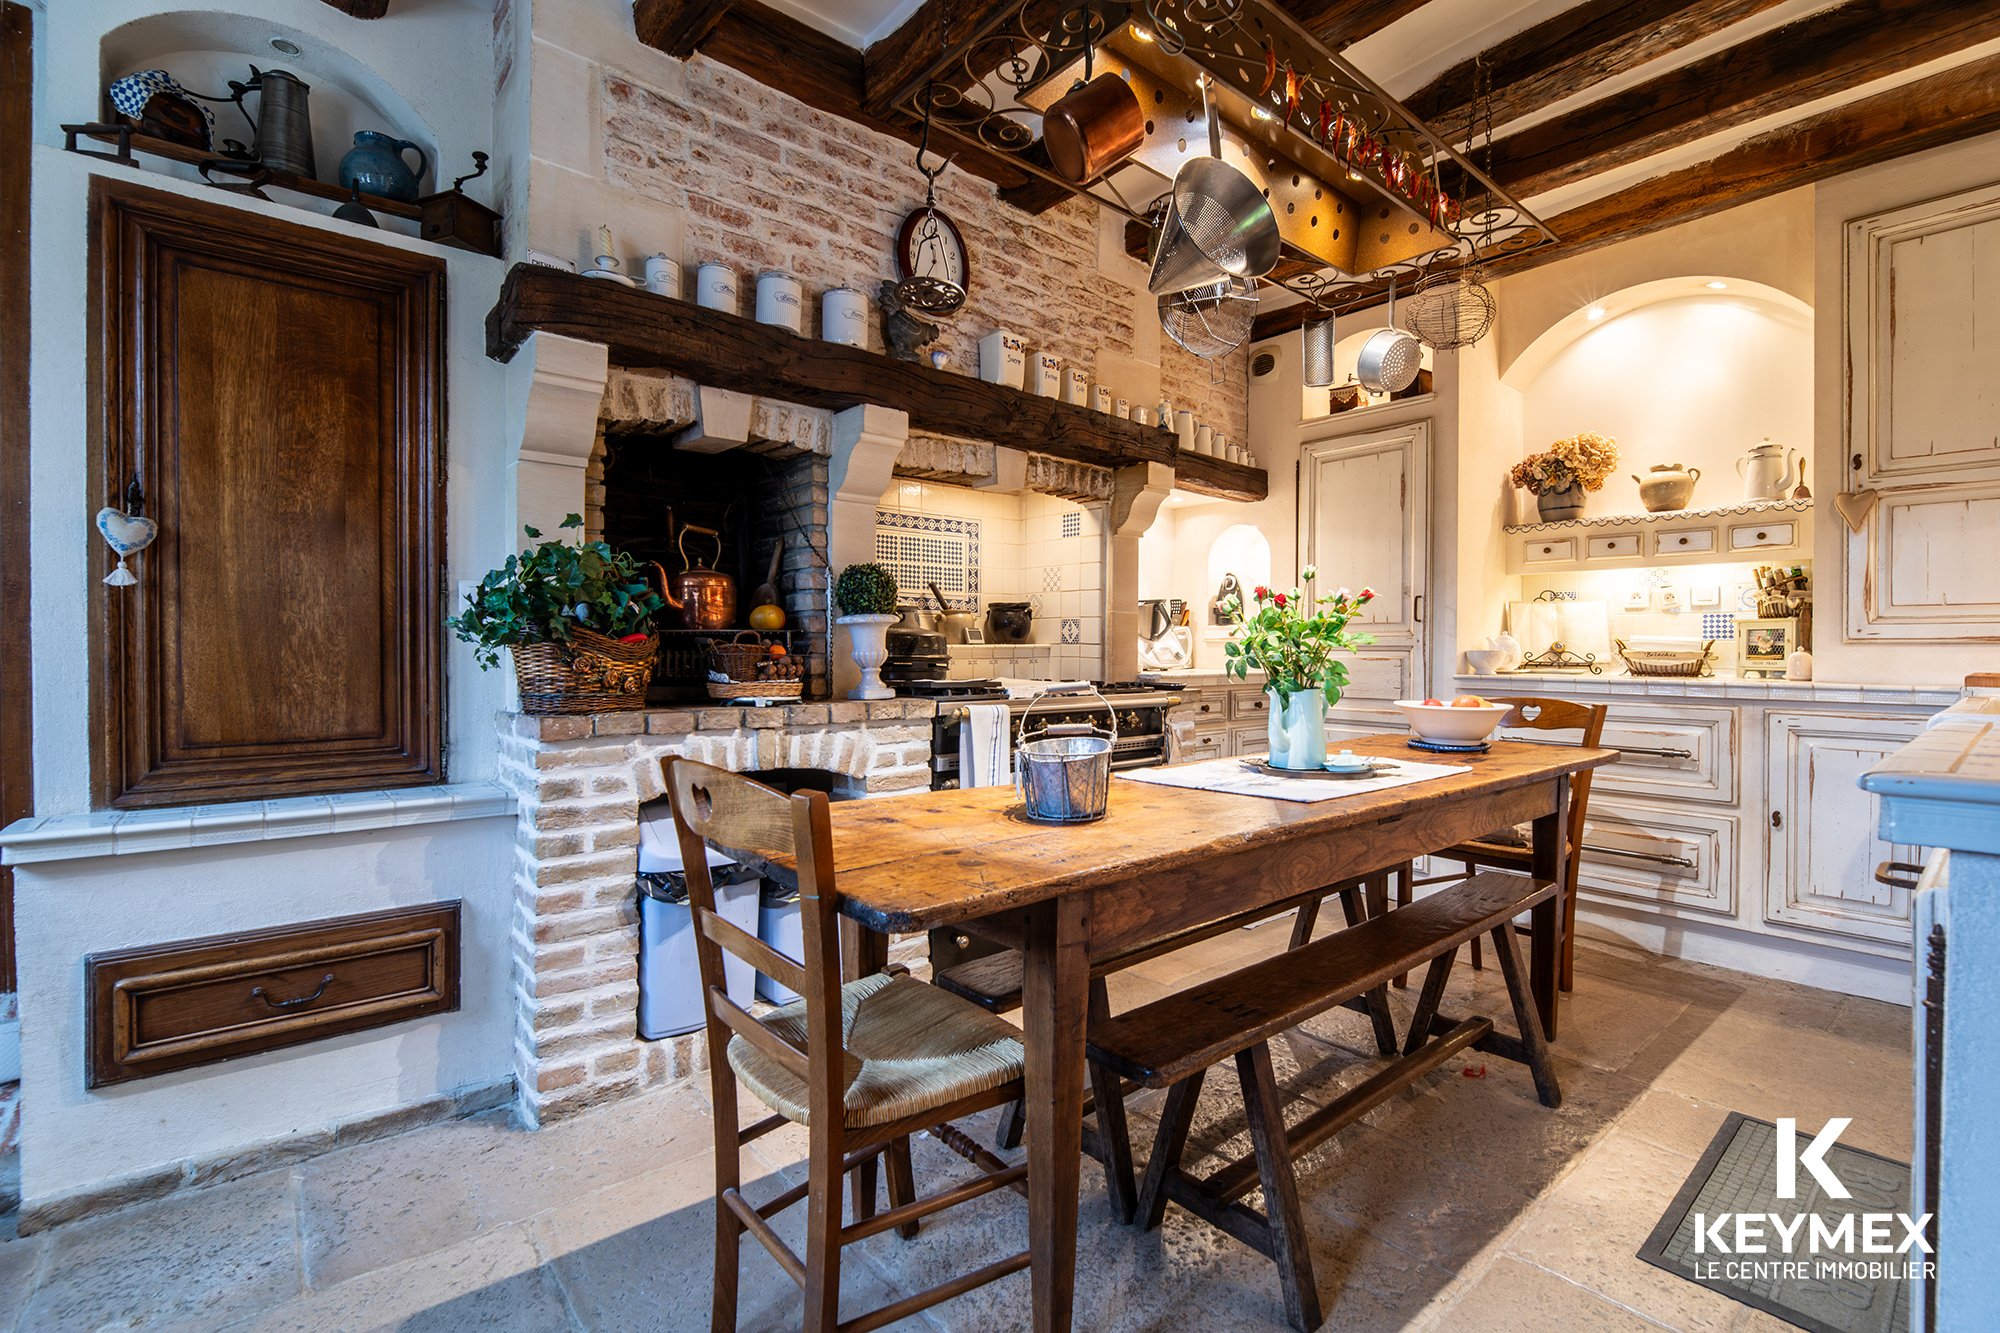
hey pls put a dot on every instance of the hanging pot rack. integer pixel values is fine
(1311, 122)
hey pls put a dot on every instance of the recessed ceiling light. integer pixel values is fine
(1719, 286)
(1142, 34)
(283, 47)
(1595, 312)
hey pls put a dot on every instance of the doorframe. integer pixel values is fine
(1417, 508)
(17, 770)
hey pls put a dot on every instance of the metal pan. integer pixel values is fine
(1389, 360)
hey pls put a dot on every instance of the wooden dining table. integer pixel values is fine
(1161, 861)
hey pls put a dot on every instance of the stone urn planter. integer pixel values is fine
(868, 637)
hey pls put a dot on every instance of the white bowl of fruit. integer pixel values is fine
(1466, 720)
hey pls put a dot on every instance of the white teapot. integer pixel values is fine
(1766, 471)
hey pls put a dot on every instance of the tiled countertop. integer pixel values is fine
(124, 832)
(1711, 687)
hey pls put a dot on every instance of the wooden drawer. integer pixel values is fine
(1686, 753)
(1248, 704)
(193, 1002)
(1347, 721)
(1659, 858)
(1684, 543)
(1250, 740)
(1205, 708)
(1750, 536)
(1548, 551)
(1624, 546)
(1209, 743)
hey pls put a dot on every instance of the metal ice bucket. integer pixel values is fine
(1064, 771)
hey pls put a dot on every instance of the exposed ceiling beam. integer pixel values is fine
(677, 27)
(802, 62)
(1570, 51)
(1943, 108)
(1826, 53)
(1341, 23)
(897, 62)
(361, 9)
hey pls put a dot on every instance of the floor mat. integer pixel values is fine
(1823, 1281)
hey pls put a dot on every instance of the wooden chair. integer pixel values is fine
(1536, 714)
(862, 1066)
(1173, 1042)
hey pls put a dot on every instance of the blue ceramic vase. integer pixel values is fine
(375, 166)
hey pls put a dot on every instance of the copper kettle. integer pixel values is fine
(704, 596)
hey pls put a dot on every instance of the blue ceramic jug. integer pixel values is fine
(375, 166)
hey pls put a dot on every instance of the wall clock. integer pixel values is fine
(923, 250)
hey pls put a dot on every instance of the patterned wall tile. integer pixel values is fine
(1072, 525)
(1051, 578)
(1072, 629)
(920, 549)
(1718, 625)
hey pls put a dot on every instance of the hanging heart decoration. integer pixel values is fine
(127, 535)
(1856, 506)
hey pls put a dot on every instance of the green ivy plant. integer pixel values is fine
(865, 590)
(1292, 639)
(540, 595)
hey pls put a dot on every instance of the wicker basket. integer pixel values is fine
(592, 673)
(1696, 664)
(732, 671)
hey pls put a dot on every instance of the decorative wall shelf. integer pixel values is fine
(728, 351)
(1665, 516)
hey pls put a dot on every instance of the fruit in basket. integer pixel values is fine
(1469, 701)
(777, 650)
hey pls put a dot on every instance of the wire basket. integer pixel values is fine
(1450, 310)
(1211, 321)
(592, 673)
(1064, 770)
(740, 670)
(1643, 663)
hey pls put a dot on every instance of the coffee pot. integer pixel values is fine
(1766, 471)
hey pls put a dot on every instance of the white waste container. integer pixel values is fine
(670, 1001)
(778, 926)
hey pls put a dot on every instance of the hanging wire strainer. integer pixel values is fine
(1218, 225)
(1211, 321)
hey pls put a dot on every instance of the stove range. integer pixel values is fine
(1139, 709)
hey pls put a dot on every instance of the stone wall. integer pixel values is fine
(579, 781)
(766, 182)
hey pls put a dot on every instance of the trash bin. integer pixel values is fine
(670, 1000)
(778, 907)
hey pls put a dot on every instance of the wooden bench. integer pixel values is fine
(1172, 1042)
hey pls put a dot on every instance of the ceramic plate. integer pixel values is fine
(1375, 768)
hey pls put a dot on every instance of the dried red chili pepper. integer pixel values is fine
(1291, 93)
(1270, 69)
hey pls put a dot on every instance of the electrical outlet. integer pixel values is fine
(1639, 599)
(1669, 598)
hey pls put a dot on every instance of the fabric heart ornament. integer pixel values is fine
(126, 534)
(1856, 506)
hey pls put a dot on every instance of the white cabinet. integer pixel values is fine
(1694, 541)
(1624, 546)
(1249, 740)
(1761, 536)
(1821, 848)
(1552, 551)
(1659, 856)
(1688, 752)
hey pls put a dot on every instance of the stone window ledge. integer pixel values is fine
(125, 832)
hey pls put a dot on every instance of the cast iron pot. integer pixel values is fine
(1009, 622)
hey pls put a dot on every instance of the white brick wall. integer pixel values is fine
(576, 924)
(764, 181)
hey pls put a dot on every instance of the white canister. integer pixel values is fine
(780, 301)
(663, 276)
(715, 288)
(843, 317)
(1799, 666)
(1142, 416)
(1100, 398)
(1204, 441)
(1184, 427)
(1221, 447)
(1045, 374)
(1002, 359)
(1122, 407)
(1076, 386)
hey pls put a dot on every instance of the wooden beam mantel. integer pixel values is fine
(1955, 104)
(727, 351)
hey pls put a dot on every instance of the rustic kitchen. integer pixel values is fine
(697, 664)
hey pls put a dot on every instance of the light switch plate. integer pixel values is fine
(1709, 595)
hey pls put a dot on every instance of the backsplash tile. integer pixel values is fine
(921, 549)
(1072, 629)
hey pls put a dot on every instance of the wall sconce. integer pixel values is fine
(126, 532)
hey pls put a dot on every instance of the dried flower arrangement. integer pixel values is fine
(1585, 460)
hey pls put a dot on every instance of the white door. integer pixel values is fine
(1822, 849)
(1364, 522)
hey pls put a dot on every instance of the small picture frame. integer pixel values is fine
(974, 634)
(1762, 646)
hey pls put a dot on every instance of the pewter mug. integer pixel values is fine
(284, 125)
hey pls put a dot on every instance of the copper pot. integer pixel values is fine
(704, 596)
(1093, 127)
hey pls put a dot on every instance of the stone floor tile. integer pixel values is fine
(492, 1283)
(1875, 1022)
(196, 1261)
(1674, 1121)
(381, 1203)
(1589, 1228)
(20, 1269)
(1513, 1297)
(640, 1256)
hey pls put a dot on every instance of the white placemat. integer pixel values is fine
(1237, 777)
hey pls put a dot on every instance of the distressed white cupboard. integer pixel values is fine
(1923, 426)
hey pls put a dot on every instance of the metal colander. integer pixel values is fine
(1211, 321)
(1218, 225)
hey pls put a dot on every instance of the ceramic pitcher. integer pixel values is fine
(375, 166)
(1296, 728)
(1766, 471)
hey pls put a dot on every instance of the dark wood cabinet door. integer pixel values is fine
(276, 389)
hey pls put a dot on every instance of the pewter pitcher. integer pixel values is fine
(284, 125)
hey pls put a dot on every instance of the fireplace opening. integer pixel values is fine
(723, 512)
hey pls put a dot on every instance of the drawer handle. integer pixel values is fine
(1642, 856)
(1883, 875)
(1622, 749)
(1761, 536)
(294, 1003)
(1684, 541)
